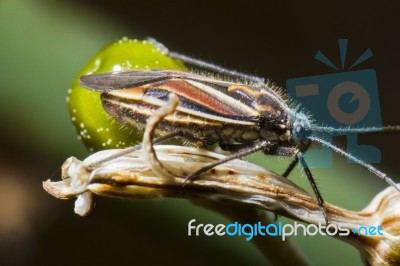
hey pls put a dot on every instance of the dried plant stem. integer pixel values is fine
(248, 189)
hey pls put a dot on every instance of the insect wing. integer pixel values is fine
(211, 99)
(120, 80)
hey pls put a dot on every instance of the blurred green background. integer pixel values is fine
(45, 43)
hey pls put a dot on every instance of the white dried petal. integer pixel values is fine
(84, 204)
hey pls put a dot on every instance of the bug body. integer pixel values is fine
(241, 117)
(211, 110)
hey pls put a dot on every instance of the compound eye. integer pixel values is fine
(299, 132)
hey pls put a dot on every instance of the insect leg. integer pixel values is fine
(289, 169)
(293, 164)
(313, 185)
(257, 147)
(297, 153)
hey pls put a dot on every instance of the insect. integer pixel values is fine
(240, 113)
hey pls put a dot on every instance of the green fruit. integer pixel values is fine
(95, 127)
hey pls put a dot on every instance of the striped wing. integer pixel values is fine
(203, 99)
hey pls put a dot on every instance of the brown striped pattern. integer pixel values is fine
(210, 109)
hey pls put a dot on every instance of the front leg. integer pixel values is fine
(298, 155)
(292, 165)
(259, 146)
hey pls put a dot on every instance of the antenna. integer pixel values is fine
(369, 167)
(361, 130)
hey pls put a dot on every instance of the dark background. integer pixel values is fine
(45, 43)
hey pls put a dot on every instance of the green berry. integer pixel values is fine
(95, 127)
